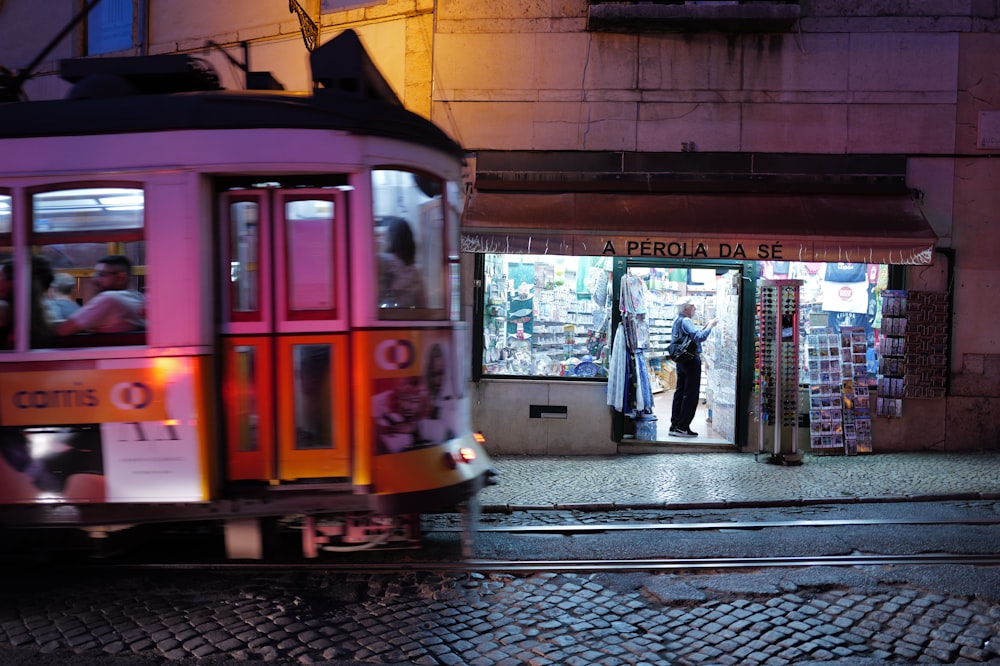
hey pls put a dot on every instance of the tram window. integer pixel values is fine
(73, 229)
(5, 214)
(6, 294)
(310, 231)
(313, 387)
(455, 203)
(244, 259)
(409, 229)
(246, 402)
(88, 209)
(6, 283)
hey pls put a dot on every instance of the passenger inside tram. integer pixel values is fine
(41, 277)
(115, 308)
(60, 302)
(399, 280)
(6, 318)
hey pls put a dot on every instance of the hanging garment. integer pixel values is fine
(632, 299)
(644, 387)
(617, 374)
(638, 390)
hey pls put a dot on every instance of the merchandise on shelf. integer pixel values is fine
(778, 360)
(544, 317)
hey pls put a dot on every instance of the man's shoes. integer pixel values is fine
(683, 432)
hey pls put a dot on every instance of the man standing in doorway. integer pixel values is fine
(688, 369)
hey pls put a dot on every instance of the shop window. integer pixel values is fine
(72, 231)
(546, 316)
(410, 244)
(836, 296)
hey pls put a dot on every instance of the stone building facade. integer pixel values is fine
(833, 82)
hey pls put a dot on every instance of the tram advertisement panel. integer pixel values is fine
(418, 389)
(120, 431)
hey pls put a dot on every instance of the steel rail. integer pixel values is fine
(720, 525)
(470, 566)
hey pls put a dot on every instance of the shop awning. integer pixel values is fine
(858, 228)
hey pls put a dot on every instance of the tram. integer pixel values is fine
(300, 355)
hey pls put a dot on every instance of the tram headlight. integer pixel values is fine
(466, 454)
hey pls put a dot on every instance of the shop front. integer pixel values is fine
(577, 295)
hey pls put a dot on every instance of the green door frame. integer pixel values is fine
(745, 371)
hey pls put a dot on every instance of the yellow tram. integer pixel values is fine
(301, 350)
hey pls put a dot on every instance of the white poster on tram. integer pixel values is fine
(157, 460)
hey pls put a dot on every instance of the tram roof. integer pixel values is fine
(355, 100)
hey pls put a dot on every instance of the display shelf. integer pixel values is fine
(837, 370)
(892, 350)
(778, 366)
(857, 410)
(926, 356)
(826, 391)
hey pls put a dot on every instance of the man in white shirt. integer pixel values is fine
(115, 309)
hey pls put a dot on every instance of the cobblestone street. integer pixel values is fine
(775, 617)
(845, 615)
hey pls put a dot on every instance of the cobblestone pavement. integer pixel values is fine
(817, 615)
(857, 616)
(735, 478)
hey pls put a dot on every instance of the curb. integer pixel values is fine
(603, 507)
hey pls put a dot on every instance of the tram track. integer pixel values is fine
(489, 566)
(469, 564)
(718, 525)
(463, 560)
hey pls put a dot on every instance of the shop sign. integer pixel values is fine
(693, 250)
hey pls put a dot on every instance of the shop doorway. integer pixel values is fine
(650, 294)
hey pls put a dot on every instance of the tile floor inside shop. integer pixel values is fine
(658, 430)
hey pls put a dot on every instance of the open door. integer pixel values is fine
(654, 291)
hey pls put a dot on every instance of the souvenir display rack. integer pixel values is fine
(892, 361)
(856, 390)
(914, 348)
(926, 344)
(778, 366)
(839, 411)
(826, 397)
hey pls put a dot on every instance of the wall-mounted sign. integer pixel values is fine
(989, 130)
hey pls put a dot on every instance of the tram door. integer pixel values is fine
(286, 372)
